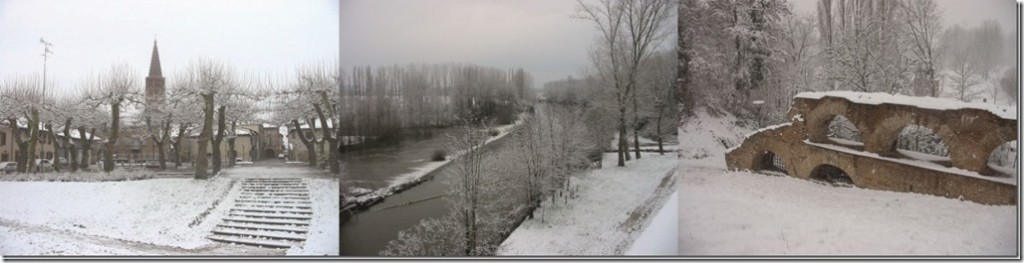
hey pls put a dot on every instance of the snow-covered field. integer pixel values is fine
(740, 213)
(607, 216)
(148, 217)
(156, 211)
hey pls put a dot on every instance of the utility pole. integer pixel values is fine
(46, 53)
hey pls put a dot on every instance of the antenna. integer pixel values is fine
(46, 54)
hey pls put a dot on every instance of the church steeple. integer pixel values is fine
(154, 63)
(155, 81)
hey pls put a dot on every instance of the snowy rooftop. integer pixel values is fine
(920, 102)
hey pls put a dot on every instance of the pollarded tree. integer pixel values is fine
(207, 80)
(319, 86)
(21, 100)
(117, 88)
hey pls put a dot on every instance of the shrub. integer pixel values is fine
(493, 132)
(439, 155)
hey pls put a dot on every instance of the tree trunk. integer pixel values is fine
(204, 137)
(69, 149)
(217, 140)
(310, 150)
(623, 146)
(636, 124)
(176, 144)
(332, 140)
(115, 129)
(86, 147)
(33, 129)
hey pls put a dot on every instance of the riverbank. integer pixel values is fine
(363, 198)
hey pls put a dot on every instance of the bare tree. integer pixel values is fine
(630, 30)
(959, 50)
(20, 102)
(923, 21)
(206, 79)
(117, 88)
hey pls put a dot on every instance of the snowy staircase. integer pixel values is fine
(270, 212)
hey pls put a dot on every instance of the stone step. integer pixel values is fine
(271, 206)
(271, 215)
(266, 221)
(273, 202)
(262, 226)
(277, 190)
(275, 197)
(269, 234)
(251, 241)
(276, 193)
(272, 210)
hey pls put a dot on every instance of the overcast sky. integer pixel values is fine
(967, 13)
(90, 36)
(538, 35)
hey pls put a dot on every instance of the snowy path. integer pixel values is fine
(660, 236)
(613, 205)
(740, 213)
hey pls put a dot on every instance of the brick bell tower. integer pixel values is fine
(155, 91)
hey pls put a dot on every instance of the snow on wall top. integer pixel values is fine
(877, 98)
(747, 136)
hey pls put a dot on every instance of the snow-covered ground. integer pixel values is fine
(148, 217)
(323, 234)
(741, 213)
(156, 211)
(659, 237)
(613, 205)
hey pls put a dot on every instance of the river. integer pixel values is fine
(368, 232)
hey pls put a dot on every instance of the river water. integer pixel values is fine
(368, 232)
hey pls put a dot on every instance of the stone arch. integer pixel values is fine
(1003, 159)
(768, 160)
(887, 131)
(841, 130)
(922, 143)
(818, 118)
(832, 174)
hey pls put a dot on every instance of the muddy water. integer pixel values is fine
(368, 232)
(375, 168)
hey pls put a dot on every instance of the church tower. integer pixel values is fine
(155, 91)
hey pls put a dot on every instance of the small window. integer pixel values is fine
(3, 138)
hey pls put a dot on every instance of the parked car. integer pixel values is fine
(280, 156)
(8, 167)
(44, 163)
(152, 164)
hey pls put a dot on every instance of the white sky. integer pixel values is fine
(88, 37)
(967, 13)
(538, 35)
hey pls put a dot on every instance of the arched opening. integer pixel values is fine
(831, 175)
(921, 143)
(1003, 159)
(843, 132)
(269, 154)
(771, 163)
